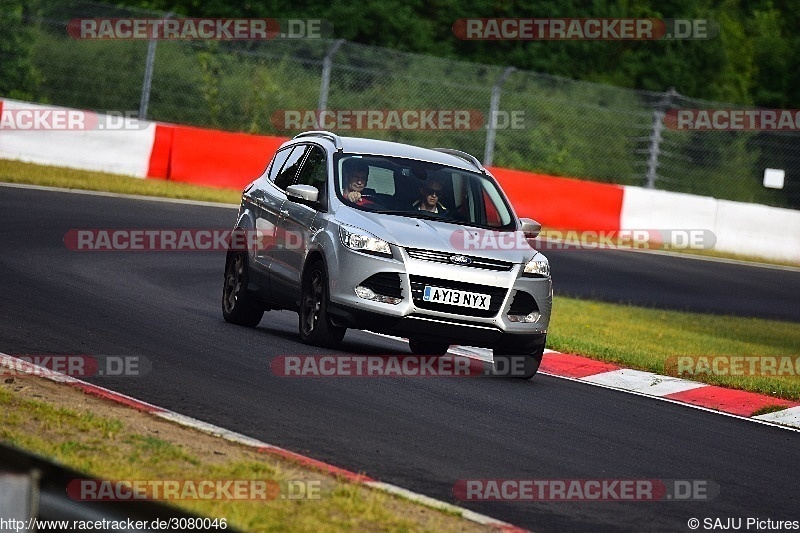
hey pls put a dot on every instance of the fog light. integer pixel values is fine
(369, 294)
(365, 292)
(530, 317)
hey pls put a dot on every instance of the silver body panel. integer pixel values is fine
(316, 233)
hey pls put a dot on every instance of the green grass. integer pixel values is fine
(644, 339)
(121, 446)
(50, 176)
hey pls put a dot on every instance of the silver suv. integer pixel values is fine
(391, 238)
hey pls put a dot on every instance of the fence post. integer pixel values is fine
(326, 76)
(654, 150)
(147, 82)
(488, 154)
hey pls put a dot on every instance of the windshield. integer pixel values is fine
(406, 187)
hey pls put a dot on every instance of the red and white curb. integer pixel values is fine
(20, 365)
(692, 393)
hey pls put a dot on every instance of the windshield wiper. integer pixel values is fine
(434, 216)
(392, 212)
(417, 214)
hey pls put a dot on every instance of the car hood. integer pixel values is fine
(410, 232)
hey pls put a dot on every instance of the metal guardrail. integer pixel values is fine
(517, 119)
(34, 487)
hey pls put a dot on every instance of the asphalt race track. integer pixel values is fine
(421, 434)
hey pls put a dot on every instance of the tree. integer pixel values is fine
(19, 78)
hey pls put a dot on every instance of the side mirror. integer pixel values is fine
(303, 194)
(530, 228)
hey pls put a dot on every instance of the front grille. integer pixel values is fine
(418, 284)
(444, 257)
(523, 304)
(385, 283)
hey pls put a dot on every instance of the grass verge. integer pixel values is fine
(50, 176)
(68, 178)
(114, 442)
(652, 339)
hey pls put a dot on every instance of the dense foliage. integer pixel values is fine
(593, 131)
(18, 76)
(752, 61)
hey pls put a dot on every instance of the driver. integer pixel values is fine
(356, 174)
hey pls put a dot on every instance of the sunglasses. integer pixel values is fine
(433, 192)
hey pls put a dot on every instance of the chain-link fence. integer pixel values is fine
(541, 123)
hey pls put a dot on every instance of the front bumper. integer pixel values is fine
(413, 317)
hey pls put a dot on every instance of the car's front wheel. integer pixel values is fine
(316, 327)
(239, 306)
(511, 362)
(419, 347)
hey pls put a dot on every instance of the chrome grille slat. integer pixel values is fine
(443, 257)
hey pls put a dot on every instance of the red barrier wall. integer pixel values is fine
(232, 160)
(562, 202)
(162, 152)
(214, 158)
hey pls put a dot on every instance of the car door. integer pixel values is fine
(296, 225)
(270, 199)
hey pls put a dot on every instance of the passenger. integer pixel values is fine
(430, 193)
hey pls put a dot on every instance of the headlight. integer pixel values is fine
(363, 242)
(538, 267)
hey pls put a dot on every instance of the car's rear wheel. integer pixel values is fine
(316, 327)
(239, 306)
(509, 362)
(427, 347)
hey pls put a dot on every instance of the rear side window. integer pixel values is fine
(315, 172)
(382, 180)
(315, 169)
(285, 176)
(277, 163)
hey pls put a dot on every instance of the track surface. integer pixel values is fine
(422, 434)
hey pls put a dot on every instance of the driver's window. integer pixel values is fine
(315, 172)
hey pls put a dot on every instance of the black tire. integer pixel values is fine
(508, 363)
(315, 324)
(419, 347)
(239, 306)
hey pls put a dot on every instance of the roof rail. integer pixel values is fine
(463, 155)
(335, 139)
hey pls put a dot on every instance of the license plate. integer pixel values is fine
(439, 295)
